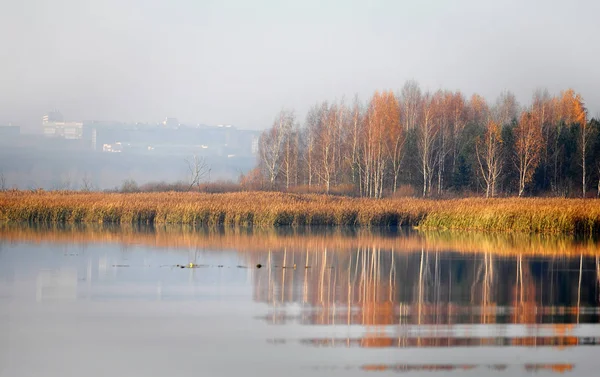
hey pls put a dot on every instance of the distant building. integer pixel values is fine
(52, 116)
(166, 138)
(113, 148)
(65, 130)
(55, 126)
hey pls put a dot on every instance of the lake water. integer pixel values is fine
(97, 301)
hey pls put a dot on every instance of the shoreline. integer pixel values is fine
(273, 209)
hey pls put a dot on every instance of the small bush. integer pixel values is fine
(129, 186)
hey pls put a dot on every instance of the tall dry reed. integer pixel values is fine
(267, 209)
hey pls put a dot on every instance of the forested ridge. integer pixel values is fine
(435, 144)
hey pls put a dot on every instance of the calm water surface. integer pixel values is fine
(104, 301)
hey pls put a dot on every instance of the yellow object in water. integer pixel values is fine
(191, 265)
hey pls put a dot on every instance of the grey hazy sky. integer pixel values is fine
(240, 62)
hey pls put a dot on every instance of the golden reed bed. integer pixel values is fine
(264, 209)
(334, 240)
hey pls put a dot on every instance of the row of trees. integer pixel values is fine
(436, 143)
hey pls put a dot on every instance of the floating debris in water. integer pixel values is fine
(258, 265)
(189, 265)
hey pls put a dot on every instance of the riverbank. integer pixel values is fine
(261, 209)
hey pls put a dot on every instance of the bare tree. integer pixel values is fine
(86, 183)
(459, 121)
(271, 145)
(342, 119)
(290, 152)
(309, 151)
(310, 129)
(528, 146)
(410, 96)
(489, 157)
(197, 170)
(426, 135)
(326, 138)
(544, 106)
(395, 145)
(443, 119)
(506, 109)
(355, 135)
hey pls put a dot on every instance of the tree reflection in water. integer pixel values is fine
(433, 294)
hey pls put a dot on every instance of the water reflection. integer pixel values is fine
(338, 239)
(444, 368)
(324, 291)
(558, 368)
(373, 286)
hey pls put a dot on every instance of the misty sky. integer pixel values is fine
(240, 62)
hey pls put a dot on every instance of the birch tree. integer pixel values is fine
(326, 148)
(528, 145)
(443, 118)
(506, 109)
(579, 117)
(290, 152)
(543, 108)
(489, 156)
(313, 118)
(396, 135)
(356, 126)
(410, 96)
(382, 114)
(459, 120)
(271, 145)
(426, 135)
